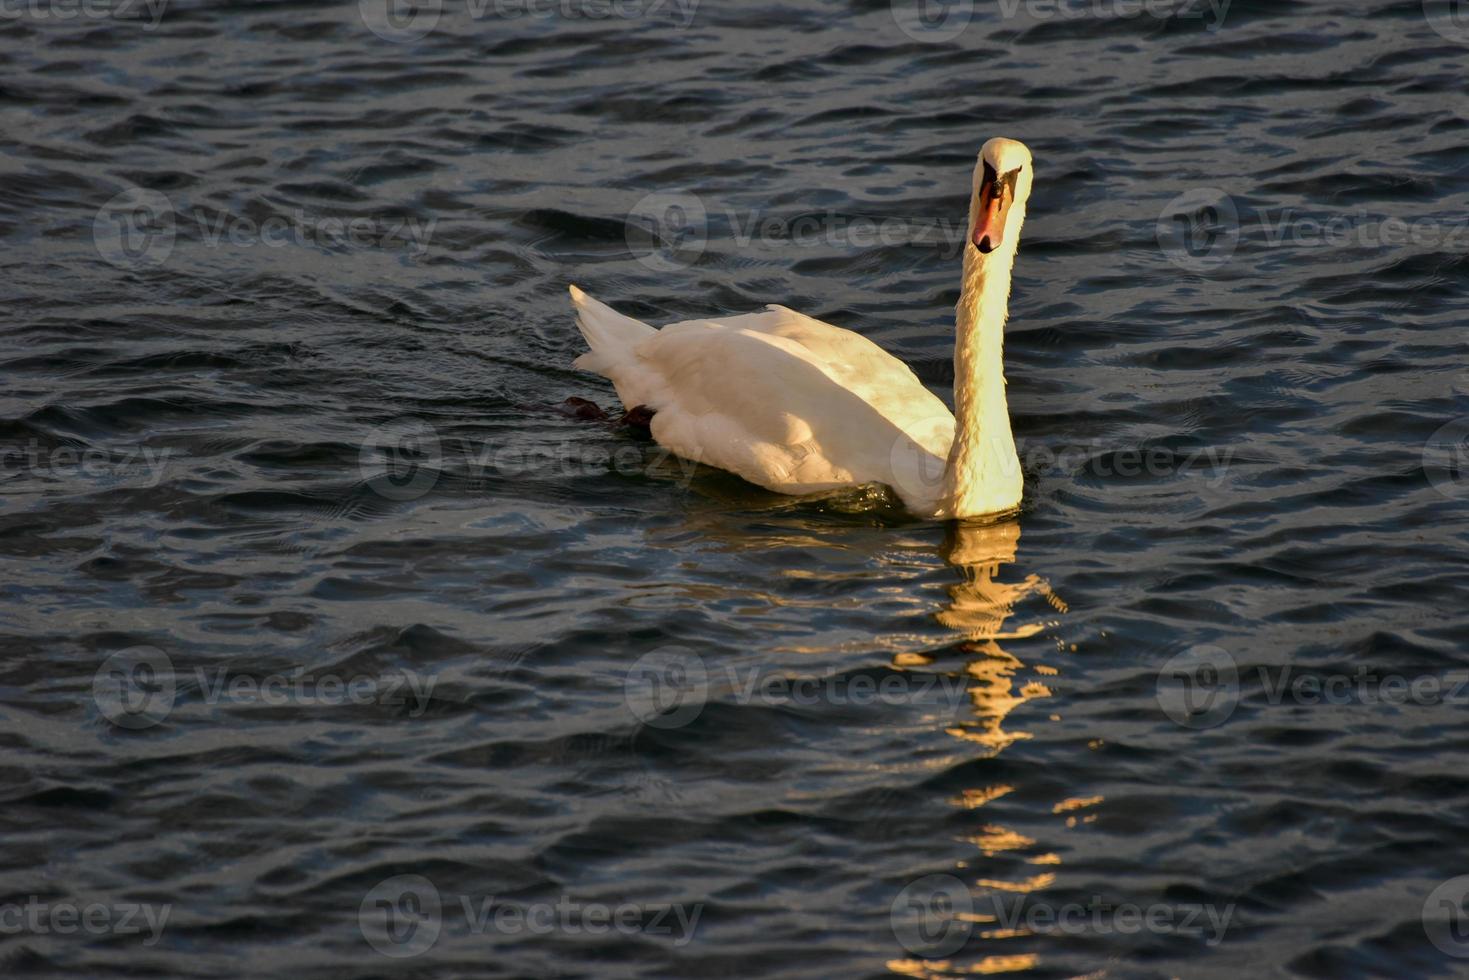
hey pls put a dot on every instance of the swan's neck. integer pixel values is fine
(983, 474)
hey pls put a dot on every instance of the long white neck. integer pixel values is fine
(983, 473)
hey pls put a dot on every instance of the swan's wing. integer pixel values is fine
(788, 416)
(854, 362)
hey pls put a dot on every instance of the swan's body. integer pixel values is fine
(800, 406)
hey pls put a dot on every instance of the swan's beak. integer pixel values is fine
(989, 228)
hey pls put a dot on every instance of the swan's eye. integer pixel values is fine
(1000, 185)
(1008, 181)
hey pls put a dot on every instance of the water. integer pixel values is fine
(308, 585)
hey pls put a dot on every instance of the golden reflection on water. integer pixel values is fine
(978, 613)
(988, 966)
(980, 606)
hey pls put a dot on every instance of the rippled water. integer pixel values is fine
(309, 586)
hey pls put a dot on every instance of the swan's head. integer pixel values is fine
(1001, 187)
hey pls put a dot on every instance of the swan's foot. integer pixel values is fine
(580, 408)
(638, 417)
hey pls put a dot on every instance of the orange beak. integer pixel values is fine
(989, 227)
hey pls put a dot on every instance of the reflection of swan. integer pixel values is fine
(981, 605)
(979, 609)
(1008, 864)
(800, 406)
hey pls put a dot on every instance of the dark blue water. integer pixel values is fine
(331, 645)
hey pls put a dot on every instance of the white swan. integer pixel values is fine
(799, 406)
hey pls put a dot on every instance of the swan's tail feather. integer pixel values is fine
(610, 335)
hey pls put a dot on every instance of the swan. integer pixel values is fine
(799, 406)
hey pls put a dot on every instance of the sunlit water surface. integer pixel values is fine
(1233, 438)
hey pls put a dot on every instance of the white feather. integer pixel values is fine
(800, 406)
(779, 398)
